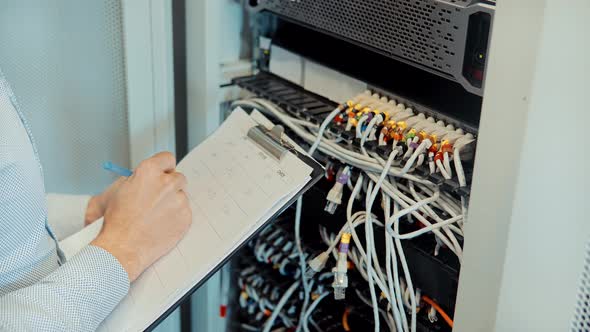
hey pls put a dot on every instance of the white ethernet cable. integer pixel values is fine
(341, 269)
(403, 200)
(306, 286)
(323, 127)
(424, 230)
(312, 307)
(406, 271)
(371, 195)
(295, 126)
(451, 242)
(358, 262)
(316, 139)
(403, 258)
(443, 203)
(368, 258)
(423, 146)
(359, 125)
(446, 202)
(330, 148)
(302, 263)
(383, 313)
(457, 247)
(305, 123)
(447, 163)
(335, 194)
(443, 170)
(340, 272)
(462, 142)
(393, 276)
(349, 157)
(275, 313)
(406, 211)
(319, 262)
(380, 280)
(376, 119)
(370, 165)
(416, 206)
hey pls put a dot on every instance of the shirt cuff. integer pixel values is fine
(66, 213)
(99, 279)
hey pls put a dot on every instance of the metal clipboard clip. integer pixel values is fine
(270, 140)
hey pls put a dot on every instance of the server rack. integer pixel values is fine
(440, 47)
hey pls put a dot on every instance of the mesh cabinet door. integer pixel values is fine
(65, 62)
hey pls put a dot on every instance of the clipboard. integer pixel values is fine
(271, 143)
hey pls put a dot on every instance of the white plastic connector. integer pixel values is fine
(340, 277)
(334, 198)
(432, 315)
(427, 144)
(340, 292)
(340, 284)
(317, 264)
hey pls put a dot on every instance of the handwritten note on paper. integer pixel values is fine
(234, 188)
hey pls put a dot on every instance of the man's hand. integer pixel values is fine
(147, 215)
(97, 205)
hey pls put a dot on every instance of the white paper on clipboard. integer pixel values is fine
(234, 188)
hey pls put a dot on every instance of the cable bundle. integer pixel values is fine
(395, 162)
(270, 300)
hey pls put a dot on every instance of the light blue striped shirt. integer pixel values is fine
(39, 290)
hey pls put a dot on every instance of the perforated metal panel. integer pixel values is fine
(581, 321)
(64, 60)
(428, 33)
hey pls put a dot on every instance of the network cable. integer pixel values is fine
(416, 141)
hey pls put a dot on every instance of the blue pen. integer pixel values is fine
(122, 171)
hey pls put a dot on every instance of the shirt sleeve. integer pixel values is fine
(65, 213)
(78, 296)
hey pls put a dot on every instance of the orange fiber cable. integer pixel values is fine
(345, 320)
(438, 309)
